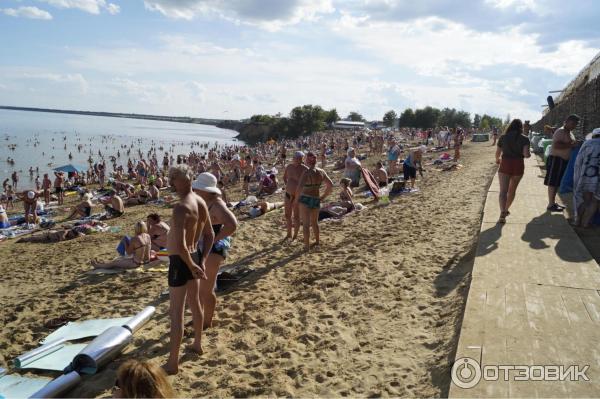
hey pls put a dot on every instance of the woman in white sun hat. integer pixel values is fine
(224, 225)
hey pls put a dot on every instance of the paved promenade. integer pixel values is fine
(534, 300)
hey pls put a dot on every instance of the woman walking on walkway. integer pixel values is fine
(511, 151)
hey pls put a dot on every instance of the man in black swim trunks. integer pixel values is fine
(190, 221)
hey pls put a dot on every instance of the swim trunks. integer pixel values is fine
(310, 202)
(58, 190)
(409, 172)
(112, 211)
(246, 179)
(179, 272)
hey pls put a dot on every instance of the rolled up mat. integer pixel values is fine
(38, 353)
(59, 386)
(101, 350)
(137, 321)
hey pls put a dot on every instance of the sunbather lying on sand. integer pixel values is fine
(138, 249)
(52, 236)
(263, 207)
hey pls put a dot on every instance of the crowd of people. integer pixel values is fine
(513, 146)
(198, 235)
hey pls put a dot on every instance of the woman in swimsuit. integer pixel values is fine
(224, 224)
(158, 231)
(309, 198)
(84, 208)
(138, 249)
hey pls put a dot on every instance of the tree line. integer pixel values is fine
(307, 119)
(430, 117)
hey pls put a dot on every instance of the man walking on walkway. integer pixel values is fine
(563, 141)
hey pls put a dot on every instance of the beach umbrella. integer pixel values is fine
(71, 168)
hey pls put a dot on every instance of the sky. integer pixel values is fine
(232, 59)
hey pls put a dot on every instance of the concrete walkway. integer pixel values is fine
(534, 300)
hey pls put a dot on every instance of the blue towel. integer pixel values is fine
(121, 246)
(566, 184)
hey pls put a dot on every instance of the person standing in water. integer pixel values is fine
(308, 196)
(189, 222)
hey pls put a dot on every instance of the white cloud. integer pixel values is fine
(27, 12)
(89, 6)
(436, 51)
(268, 14)
(76, 79)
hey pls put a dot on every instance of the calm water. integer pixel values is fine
(40, 140)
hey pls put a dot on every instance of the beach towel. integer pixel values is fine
(371, 182)
(121, 247)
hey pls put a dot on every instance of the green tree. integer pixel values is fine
(485, 124)
(332, 116)
(407, 118)
(306, 120)
(355, 117)
(463, 119)
(427, 117)
(389, 118)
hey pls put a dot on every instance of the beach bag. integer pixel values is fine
(121, 247)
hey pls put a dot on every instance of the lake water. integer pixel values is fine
(41, 137)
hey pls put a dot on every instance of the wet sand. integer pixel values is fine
(374, 312)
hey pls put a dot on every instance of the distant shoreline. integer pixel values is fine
(180, 119)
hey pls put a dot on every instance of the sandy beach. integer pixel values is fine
(374, 312)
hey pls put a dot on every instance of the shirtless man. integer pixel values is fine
(291, 177)
(247, 171)
(153, 191)
(113, 205)
(158, 231)
(381, 175)
(309, 197)
(59, 183)
(190, 221)
(46, 184)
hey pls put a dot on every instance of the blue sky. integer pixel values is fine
(232, 59)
